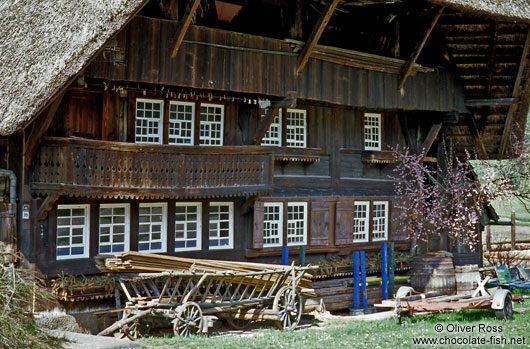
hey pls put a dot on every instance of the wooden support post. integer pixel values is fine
(356, 304)
(41, 125)
(301, 256)
(248, 203)
(488, 237)
(315, 35)
(475, 133)
(512, 230)
(285, 255)
(183, 26)
(431, 137)
(407, 69)
(363, 280)
(289, 101)
(46, 206)
(384, 272)
(391, 269)
(508, 124)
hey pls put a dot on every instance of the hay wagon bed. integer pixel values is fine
(188, 300)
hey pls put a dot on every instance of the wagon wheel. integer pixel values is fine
(238, 324)
(136, 329)
(288, 303)
(189, 319)
(507, 311)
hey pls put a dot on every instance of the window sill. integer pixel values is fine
(377, 156)
(288, 154)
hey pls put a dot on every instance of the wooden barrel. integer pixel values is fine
(466, 278)
(433, 274)
(466, 258)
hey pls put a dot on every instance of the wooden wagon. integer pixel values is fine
(189, 300)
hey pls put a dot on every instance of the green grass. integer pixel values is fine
(505, 208)
(363, 334)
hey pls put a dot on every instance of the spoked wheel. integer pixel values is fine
(507, 311)
(136, 330)
(189, 320)
(238, 324)
(288, 303)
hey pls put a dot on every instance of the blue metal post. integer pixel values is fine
(363, 280)
(285, 255)
(301, 257)
(384, 272)
(356, 280)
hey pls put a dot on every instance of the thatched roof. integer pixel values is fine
(514, 10)
(44, 44)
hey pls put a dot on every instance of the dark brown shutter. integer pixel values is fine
(257, 231)
(397, 223)
(319, 223)
(344, 223)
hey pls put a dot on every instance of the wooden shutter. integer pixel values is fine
(344, 223)
(397, 223)
(257, 231)
(319, 223)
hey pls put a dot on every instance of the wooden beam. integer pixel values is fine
(183, 26)
(431, 137)
(40, 125)
(475, 133)
(407, 69)
(487, 102)
(46, 206)
(315, 35)
(491, 63)
(509, 118)
(248, 203)
(289, 101)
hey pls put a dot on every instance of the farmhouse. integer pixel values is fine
(230, 129)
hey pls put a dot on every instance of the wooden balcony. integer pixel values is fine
(88, 168)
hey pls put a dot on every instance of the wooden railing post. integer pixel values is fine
(488, 237)
(512, 237)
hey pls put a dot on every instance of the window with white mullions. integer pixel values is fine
(296, 128)
(272, 224)
(149, 121)
(296, 223)
(152, 227)
(380, 221)
(372, 131)
(188, 226)
(114, 228)
(361, 218)
(211, 124)
(181, 123)
(273, 136)
(221, 225)
(73, 229)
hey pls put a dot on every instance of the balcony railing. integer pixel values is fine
(83, 167)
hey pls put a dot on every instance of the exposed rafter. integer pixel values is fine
(315, 35)
(431, 137)
(407, 69)
(475, 133)
(183, 26)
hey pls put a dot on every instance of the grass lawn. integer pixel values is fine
(504, 210)
(373, 334)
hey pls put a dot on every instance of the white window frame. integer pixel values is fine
(274, 128)
(126, 228)
(198, 221)
(378, 221)
(86, 233)
(160, 121)
(278, 223)
(371, 131)
(365, 220)
(230, 226)
(289, 223)
(207, 140)
(176, 124)
(291, 130)
(163, 232)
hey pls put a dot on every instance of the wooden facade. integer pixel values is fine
(142, 151)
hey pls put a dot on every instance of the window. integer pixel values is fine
(274, 133)
(273, 224)
(296, 223)
(73, 229)
(149, 121)
(296, 128)
(114, 228)
(152, 227)
(372, 131)
(380, 220)
(221, 229)
(188, 226)
(360, 221)
(211, 128)
(181, 123)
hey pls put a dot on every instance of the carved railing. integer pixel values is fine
(71, 163)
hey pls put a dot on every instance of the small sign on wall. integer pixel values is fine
(25, 211)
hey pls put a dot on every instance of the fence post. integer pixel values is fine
(285, 255)
(488, 237)
(363, 280)
(512, 237)
(384, 271)
(356, 280)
